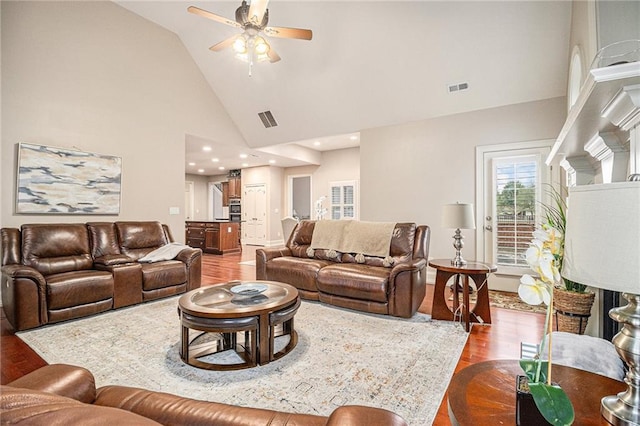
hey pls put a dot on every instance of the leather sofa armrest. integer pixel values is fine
(22, 271)
(263, 255)
(61, 379)
(358, 415)
(413, 265)
(24, 296)
(192, 258)
(189, 255)
(112, 260)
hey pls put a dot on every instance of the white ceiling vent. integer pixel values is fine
(458, 87)
(267, 119)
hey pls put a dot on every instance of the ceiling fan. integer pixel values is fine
(250, 44)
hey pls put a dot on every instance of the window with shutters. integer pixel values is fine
(343, 200)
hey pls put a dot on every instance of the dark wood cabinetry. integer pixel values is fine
(213, 237)
(235, 187)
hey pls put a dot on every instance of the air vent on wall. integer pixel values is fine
(458, 87)
(267, 119)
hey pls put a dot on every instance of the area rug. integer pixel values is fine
(342, 357)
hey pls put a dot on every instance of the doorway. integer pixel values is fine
(513, 182)
(300, 197)
(189, 200)
(254, 214)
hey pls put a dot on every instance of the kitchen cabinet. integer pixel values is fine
(225, 194)
(235, 187)
(213, 237)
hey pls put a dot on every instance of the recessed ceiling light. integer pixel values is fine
(245, 164)
(272, 161)
(243, 155)
(316, 143)
(200, 170)
(206, 148)
(192, 164)
(221, 168)
(215, 160)
(353, 137)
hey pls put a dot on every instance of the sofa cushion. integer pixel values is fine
(299, 272)
(355, 281)
(55, 248)
(104, 241)
(163, 274)
(137, 239)
(78, 288)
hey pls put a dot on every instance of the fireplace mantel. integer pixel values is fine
(607, 108)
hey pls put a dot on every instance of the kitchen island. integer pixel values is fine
(215, 237)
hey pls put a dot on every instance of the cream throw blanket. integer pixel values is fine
(351, 236)
(166, 252)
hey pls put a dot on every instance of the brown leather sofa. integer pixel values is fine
(56, 272)
(65, 394)
(367, 284)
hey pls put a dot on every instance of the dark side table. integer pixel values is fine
(476, 271)
(484, 393)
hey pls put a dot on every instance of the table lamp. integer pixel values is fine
(458, 216)
(602, 250)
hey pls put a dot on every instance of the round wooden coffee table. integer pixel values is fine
(219, 318)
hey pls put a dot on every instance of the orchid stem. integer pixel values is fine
(550, 328)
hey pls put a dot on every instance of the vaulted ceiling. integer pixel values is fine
(376, 63)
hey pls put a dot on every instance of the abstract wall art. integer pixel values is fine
(63, 181)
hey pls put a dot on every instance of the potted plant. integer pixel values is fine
(550, 400)
(573, 301)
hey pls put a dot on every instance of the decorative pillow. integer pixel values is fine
(586, 353)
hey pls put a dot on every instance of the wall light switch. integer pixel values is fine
(174, 210)
(229, 229)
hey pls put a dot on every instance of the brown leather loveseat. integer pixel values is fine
(66, 395)
(394, 285)
(56, 272)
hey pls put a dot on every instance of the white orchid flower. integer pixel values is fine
(533, 292)
(533, 253)
(547, 267)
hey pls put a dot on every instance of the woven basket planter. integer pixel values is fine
(572, 310)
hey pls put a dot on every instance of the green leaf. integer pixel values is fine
(553, 403)
(530, 368)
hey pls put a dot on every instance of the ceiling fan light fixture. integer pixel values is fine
(240, 44)
(261, 46)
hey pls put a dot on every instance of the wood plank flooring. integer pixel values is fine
(501, 340)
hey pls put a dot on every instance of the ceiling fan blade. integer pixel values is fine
(257, 8)
(273, 56)
(283, 32)
(224, 43)
(213, 16)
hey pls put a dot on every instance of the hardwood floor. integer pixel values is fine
(501, 340)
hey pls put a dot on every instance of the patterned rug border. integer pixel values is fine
(409, 376)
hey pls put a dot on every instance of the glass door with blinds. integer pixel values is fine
(343, 200)
(511, 189)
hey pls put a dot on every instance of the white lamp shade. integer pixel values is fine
(458, 216)
(602, 241)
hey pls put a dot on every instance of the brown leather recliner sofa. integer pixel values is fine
(56, 272)
(64, 394)
(370, 284)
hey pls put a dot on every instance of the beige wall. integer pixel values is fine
(409, 171)
(337, 165)
(95, 77)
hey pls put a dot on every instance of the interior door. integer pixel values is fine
(254, 214)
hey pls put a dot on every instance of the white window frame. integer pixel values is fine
(356, 199)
